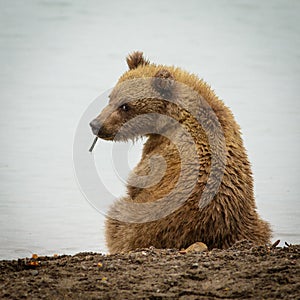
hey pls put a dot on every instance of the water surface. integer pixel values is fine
(57, 56)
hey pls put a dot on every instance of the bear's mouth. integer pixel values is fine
(103, 134)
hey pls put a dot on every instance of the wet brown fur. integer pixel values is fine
(230, 217)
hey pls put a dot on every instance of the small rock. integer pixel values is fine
(75, 258)
(34, 272)
(196, 247)
(195, 266)
(104, 280)
(206, 264)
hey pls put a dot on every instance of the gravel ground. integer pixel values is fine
(244, 271)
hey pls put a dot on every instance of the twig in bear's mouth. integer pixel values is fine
(94, 143)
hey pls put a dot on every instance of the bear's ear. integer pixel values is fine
(163, 82)
(136, 59)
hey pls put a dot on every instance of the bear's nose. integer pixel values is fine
(95, 126)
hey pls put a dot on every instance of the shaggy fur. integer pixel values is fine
(231, 215)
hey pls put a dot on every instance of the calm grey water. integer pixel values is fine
(57, 56)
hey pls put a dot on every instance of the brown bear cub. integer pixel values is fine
(194, 181)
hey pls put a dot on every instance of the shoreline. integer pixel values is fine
(242, 271)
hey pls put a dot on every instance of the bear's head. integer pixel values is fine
(137, 103)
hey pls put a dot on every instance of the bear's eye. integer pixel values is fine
(124, 107)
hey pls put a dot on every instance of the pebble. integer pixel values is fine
(196, 247)
(34, 272)
(206, 264)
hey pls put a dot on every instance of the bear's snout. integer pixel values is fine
(95, 126)
(101, 131)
